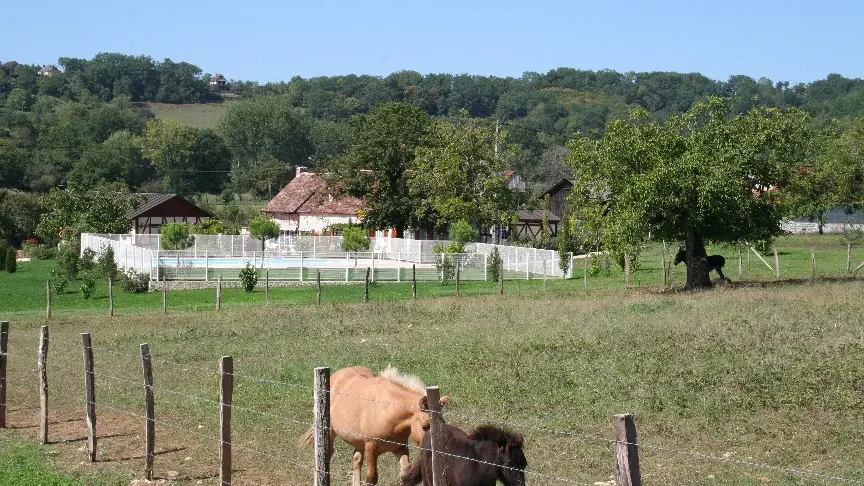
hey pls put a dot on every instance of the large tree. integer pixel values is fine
(709, 175)
(72, 212)
(378, 164)
(459, 175)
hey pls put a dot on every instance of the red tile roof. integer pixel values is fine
(308, 194)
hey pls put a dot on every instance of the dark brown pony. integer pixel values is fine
(715, 262)
(489, 454)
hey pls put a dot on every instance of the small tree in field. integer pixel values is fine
(249, 277)
(11, 263)
(175, 236)
(263, 228)
(708, 175)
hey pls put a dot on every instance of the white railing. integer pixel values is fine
(523, 259)
(126, 254)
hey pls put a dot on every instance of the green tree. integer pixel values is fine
(175, 236)
(263, 228)
(19, 214)
(460, 176)
(72, 212)
(705, 176)
(354, 238)
(378, 163)
(11, 262)
(117, 159)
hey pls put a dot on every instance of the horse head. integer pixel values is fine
(680, 256)
(420, 422)
(509, 453)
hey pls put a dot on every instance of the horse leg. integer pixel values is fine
(404, 464)
(356, 464)
(720, 272)
(371, 463)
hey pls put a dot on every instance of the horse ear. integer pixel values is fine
(424, 404)
(444, 400)
(516, 441)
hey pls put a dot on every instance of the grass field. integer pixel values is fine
(202, 115)
(768, 374)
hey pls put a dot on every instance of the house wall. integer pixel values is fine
(149, 225)
(317, 222)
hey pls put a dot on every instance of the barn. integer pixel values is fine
(156, 209)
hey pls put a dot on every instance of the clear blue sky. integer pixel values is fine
(793, 41)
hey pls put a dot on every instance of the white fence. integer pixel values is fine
(302, 258)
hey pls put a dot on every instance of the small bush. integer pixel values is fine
(11, 264)
(444, 264)
(175, 236)
(249, 277)
(493, 265)
(3, 249)
(88, 285)
(106, 266)
(69, 261)
(461, 233)
(134, 282)
(40, 252)
(354, 238)
(88, 260)
(59, 280)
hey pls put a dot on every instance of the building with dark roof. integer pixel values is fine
(156, 209)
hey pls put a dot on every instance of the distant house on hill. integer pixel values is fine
(307, 205)
(218, 82)
(157, 209)
(47, 70)
(514, 181)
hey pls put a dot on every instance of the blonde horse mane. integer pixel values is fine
(410, 382)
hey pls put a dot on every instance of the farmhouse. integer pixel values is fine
(157, 208)
(218, 82)
(307, 205)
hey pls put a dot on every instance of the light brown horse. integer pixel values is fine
(376, 415)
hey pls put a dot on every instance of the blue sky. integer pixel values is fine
(791, 41)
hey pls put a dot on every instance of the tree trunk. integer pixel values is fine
(820, 222)
(399, 232)
(697, 267)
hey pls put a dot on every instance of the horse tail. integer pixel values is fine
(306, 438)
(413, 476)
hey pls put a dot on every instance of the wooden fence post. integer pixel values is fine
(4, 348)
(812, 263)
(585, 271)
(267, 286)
(740, 269)
(149, 412)
(457, 279)
(90, 392)
(626, 451)
(626, 271)
(322, 426)
(433, 399)
(226, 392)
(47, 300)
(219, 294)
(318, 287)
(110, 297)
(663, 265)
(776, 264)
(366, 287)
(43, 384)
(849, 258)
(413, 281)
(164, 295)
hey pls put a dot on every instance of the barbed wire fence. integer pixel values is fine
(625, 444)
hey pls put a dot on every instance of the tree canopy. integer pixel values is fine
(708, 175)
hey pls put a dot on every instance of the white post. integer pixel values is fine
(485, 267)
(516, 265)
(206, 267)
(301, 266)
(232, 245)
(570, 267)
(373, 264)
(347, 264)
(399, 266)
(419, 252)
(242, 246)
(314, 248)
(527, 268)
(195, 248)
(442, 266)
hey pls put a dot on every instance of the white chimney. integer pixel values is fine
(300, 170)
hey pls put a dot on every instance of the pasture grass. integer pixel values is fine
(758, 374)
(199, 115)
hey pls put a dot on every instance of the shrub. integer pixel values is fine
(106, 266)
(135, 282)
(39, 252)
(249, 277)
(444, 263)
(59, 281)
(3, 249)
(263, 228)
(69, 261)
(853, 234)
(11, 264)
(354, 238)
(175, 236)
(88, 285)
(461, 233)
(493, 265)
(88, 260)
